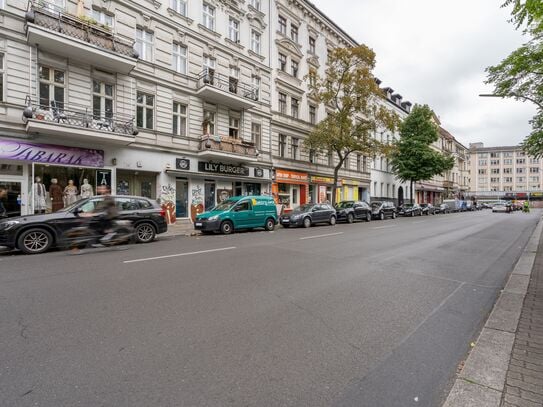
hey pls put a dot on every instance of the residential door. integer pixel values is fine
(12, 199)
(181, 198)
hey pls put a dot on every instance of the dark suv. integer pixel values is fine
(383, 209)
(35, 234)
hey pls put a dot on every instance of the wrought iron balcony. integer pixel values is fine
(226, 90)
(223, 146)
(56, 31)
(76, 122)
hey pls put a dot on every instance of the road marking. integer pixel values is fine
(384, 227)
(419, 221)
(317, 236)
(179, 255)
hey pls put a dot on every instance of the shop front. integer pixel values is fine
(428, 193)
(290, 188)
(348, 190)
(320, 188)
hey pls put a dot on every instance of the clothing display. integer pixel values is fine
(70, 193)
(55, 193)
(38, 193)
(86, 189)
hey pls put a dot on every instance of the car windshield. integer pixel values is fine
(375, 205)
(345, 204)
(303, 208)
(423, 205)
(71, 207)
(224, 206)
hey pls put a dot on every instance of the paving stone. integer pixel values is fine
(518, 402)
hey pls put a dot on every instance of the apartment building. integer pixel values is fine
(504, 171)
(165, 99)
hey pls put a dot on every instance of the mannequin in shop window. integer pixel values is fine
(55, 193)
(38, 192)
(70, 193)
(86, 189)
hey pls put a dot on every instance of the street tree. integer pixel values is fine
(413, 159)
(520, 75)
(356, 111)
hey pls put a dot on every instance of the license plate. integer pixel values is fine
(286, 220)
(198, 224)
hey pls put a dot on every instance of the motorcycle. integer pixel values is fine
(91, 233)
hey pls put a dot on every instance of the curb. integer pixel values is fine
(482, 379)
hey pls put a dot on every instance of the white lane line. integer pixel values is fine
(420, 221)
(317, 236)
(179, 255)
(384, 227)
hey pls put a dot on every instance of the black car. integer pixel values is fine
(309, 214)
(35, 234)
(428, 209)
(410, 210)
(350, 210)
(443, 208)
(383, 209)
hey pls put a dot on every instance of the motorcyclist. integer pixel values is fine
(526, 207)
(107, 213)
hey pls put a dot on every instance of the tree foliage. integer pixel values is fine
(413, 159)
(520, 75)
(355, 109)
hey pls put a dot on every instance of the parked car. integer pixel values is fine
(34, 234)
(239, 212)
(501, 207)
(428, 209)
(443, 208)
(309, 214)
(383, 209)
(349, 211)
(410, 210)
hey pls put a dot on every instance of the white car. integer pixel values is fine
(499, 207)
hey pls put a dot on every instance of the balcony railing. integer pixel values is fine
(228, 145)
(49, 16)
(83, 117)
(228, 84)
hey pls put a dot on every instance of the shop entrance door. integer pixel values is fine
(11, 199)
(209, 194)
(181, 199)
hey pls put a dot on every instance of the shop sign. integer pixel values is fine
(349, 182)
(536, 194)
(259, 172)
(103, 182)
(321, 180)
(291, 175)
(50, 154)
(182, 164)
(219, 168)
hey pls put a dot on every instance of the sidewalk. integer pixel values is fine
(180, 228)
(505, 368)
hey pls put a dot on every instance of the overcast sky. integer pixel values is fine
(435, 52)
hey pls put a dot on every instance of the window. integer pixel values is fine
(494, 162)
(102, 100)
(144, 44)
(208, 16)
(179, 6)
(209, 118)
(359, 163)
(51, 87)
(534, 179)
(507, 170)
(282, 25)
(294, 68)
(209, 69)
(534, 170)
(53, 5)
(312, 156)
(312, 114)
(494, 180)
(179, 119)
(521, 161)
(101, 17)
(494, 155)
(520, 179)
(233, 126)
(256, 86)
(330, 158)
(508, 180)
(1, 76)
(145, 106)
(255, 42)
(282, 103)
(312, 77)
(282, 62)
(294, 107)
(346, 163)
(482, 162)
(312, 45)
(520, 170)
(534, 160)
(495, 171)
(521, 153)
(294, 147)
(507, 161)
(294, 32)
(179, 58)
(256, 135)
(508, 154)
(233, 30)
(256, 4)
(282, 145)
(233, 79)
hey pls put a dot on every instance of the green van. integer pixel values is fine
(239, 212)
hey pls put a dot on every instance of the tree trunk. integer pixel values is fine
(334, 187)
(411, 191)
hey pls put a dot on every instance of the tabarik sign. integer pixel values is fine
(220, 168)
(50, 154)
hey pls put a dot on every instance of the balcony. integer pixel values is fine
(448, 184)
(55, 31)
(225, 90)
(61, 120)
(228, 147)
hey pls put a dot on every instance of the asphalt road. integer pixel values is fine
(370, 314)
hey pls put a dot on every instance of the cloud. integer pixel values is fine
(436, 52)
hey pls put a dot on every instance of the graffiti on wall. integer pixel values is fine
(196, 201)
(167, 202)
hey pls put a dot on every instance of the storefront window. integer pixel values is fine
(139, 183)
(10, 199)
(252, 189)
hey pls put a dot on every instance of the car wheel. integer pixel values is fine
(270, 224)
(393, 215)
(382, 216)
(145, 233)
(420, 213)
(332, 220)
(35, 241)
(307, 222)
(227, 227)
(350, 218)
(368, 217)
(412, 213)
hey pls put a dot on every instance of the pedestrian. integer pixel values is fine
(526, 208)
(3, 211)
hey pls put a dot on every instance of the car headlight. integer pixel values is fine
(295, 217)
(8, 224)
(214, 217)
